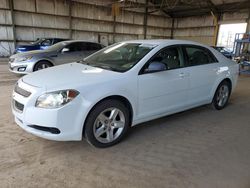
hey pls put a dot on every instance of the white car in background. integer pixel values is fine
(120, 86)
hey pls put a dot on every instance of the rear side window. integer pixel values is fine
(196, 55)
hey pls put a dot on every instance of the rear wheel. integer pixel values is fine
(107, 123)
(42, 65)
(222, 95)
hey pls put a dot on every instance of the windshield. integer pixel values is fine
(223, 49)
(38, 41)
(227, 50)
(57, 46)
(119, 57)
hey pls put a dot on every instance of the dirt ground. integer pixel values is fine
(200, 148)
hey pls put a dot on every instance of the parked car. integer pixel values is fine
(121, 86)
(60, 53)
(39, 44)
(226, 52)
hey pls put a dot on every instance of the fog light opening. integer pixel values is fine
(21, 69)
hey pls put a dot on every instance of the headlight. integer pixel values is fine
(24, 58)
(56, 99)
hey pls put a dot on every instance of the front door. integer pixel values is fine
(70, 53)
(166, 91)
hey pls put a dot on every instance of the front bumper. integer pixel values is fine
(67, 119)
(21, 67)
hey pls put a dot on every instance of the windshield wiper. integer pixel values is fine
(82, 61)
(106, 67)
(99, 66)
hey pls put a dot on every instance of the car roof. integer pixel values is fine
(51, 38)
(165, 42)
(218, 46)
(72, 41)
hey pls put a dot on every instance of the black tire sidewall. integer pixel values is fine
(41, 63)
(215, 103)
(89, 123)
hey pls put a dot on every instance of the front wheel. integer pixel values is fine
(42, 65)
(222, 95)
(107, 123)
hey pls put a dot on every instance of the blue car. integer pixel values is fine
(39, 44)
(226, 52)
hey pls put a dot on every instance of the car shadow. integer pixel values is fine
(141, 133)
(172, 122)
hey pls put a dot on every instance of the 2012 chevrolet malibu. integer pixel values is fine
(120, 86)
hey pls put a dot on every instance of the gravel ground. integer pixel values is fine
(201, 148)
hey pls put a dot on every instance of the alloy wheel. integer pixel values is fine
(43, 66)
(222, 95)
(109, 125)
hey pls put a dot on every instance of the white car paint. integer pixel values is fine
(150, 95)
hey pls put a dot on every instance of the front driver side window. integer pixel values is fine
(46, 42)
(170, 56)
(94, 46)
(72, 47)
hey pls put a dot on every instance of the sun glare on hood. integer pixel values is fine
(90, 71)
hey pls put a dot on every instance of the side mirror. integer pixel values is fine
(155, 66)
(65, 50)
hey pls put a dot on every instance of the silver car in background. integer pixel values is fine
(60, 53)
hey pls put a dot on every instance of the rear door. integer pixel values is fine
(202, 67)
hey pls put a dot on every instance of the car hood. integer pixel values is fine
(68, 76)
(27, 45)
(29, 53)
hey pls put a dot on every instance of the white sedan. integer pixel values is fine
(120, 86)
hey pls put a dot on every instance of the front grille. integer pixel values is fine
(18, 106)
(21, 91)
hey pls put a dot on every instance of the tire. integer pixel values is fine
(222, 95)
(42, 65)
(107, 123)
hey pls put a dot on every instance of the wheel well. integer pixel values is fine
(122, 99)
(43, 60)
(225, 80)
(229, 81)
